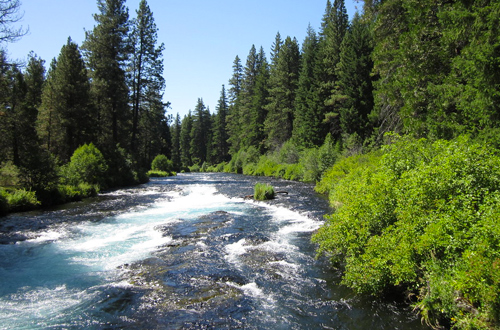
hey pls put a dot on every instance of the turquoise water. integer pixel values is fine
(180, 253)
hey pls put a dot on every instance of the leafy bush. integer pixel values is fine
(242, 158)
(70, 193)
(343, 167)
(220, 167)
(328, 153)
(288, 153)
(195, 168)
(21, 200)
(263, 191)
(162, 163)
(421, 217)
(160, 174)
(310, 163)
(87, 165)
(294, 172)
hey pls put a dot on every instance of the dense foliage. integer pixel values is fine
(421, 217)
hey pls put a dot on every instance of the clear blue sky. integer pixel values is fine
(202, 37)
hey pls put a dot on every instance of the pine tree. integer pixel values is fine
(200, 133)
(5, 113)
(175, 130)
(37, 166)
(17, 117)
(147, 82)
(233, 117)
(260, 98)
(235, 81)
(275, 49)
(185, 140)
(220, 149)
(308, 127)
(283, 84)
(107, 53)
(35, 79)
(252, 100)
(355, 90)
(333, 28)
(67, 104)
(48, 124)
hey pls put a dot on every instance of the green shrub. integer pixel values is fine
(162, 163)
(263, 191)
(87, 165)
(195, 168)
(328, 153)
(343, 167)
(22, 200)
(289, 153)
(220, 167)
(423, 217)
(68, 193)
(160, 174)
(265, 167)
(294, 172)
(310, 162)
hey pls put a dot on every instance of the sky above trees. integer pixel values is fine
(201, 37)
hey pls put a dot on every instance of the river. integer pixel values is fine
(186, 252)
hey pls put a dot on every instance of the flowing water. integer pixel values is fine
(187, 252)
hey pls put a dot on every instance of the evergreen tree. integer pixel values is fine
(175, 130)
(220, 149)
(5, 113)
(155, 133)
(200, 133)
(283, 84)
(107, 51)
(275, 49)
(233, 118)
(18, 119)
(235, 81)
(260, 98)
(333, 28)
(48, 124)
(246, 96)
(253, 98)
(354, 86)
(67, 105)
(185, 140)
(147, 82)
(35, 79)
(308, 127)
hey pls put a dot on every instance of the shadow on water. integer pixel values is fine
(184, 252)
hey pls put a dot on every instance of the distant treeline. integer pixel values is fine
(423, 68)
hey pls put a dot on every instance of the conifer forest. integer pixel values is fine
(394, 114)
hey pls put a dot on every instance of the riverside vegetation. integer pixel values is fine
(394, 114)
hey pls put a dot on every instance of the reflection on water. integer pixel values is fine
(180, 253)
